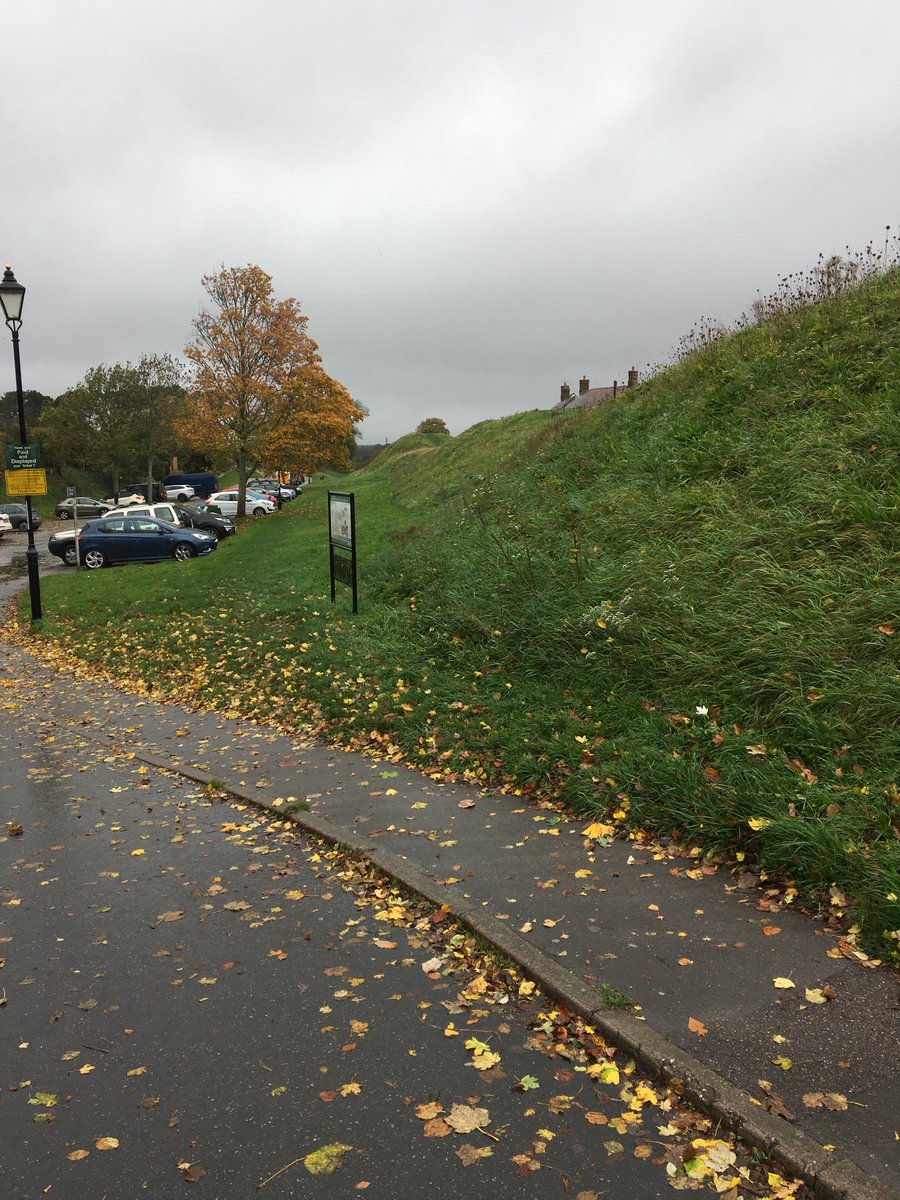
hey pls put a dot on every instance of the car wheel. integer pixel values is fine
(182, 552)
(182, 496)
(93, 559)
(64, 514)
(259, 512)
(70, 556)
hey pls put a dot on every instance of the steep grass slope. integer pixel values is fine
(677, 611)
(704, 578)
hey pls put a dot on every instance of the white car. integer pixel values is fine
(226, 503)
(129, 498)
(5, 524)
(178, 491)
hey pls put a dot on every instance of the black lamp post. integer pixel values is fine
(12, 296)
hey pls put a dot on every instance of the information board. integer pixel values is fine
(341, 540)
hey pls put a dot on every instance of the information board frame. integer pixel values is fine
(342, 538)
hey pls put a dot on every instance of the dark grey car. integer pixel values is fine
(87, 507)
(18, 516)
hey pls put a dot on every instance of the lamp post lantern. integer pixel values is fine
(12, 296)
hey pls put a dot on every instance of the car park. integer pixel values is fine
(62, 544)
(123, 539)
(85, 506)
(18, 516)
(273, 487)
(190, 516)
(226, 503)
(254, 489)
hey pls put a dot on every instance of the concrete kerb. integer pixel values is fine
(793, 1150)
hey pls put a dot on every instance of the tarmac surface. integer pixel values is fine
(695, 947)
(198, 994)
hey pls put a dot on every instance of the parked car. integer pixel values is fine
(164, 511)
(226, 503)
(254, 489)
(204, 483)
(197, 516)
(121, 539)
(126, 498)
(86, 506)
(150, 494)
(5, 524)
(18, 516)
(62, 544)
(178, 491)
(273, 487)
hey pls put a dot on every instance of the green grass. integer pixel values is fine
(547, 601)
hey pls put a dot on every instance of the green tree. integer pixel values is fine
(433, 425)
(118, 419)
(162, 407)
(33, 404)
(94, 424)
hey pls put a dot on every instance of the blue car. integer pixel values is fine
(122, 539)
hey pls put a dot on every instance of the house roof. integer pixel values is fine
(589, 399)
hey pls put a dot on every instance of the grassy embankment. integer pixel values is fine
(677, 611)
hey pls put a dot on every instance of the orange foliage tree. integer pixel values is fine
(316, 426)
(259, 394)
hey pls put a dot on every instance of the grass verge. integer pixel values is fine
(677, 611)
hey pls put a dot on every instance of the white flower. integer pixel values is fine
(702, 710)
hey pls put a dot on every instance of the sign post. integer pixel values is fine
(342, 538)
(70, 495)
(23, 459)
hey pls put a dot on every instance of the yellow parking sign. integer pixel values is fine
(30, 482)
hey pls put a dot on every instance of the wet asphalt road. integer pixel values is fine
(218, 996)
(13, 567)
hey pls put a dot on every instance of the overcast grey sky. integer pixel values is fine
(472, 202)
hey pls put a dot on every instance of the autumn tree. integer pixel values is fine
(316, 426)
(245, 352)
(433, 425)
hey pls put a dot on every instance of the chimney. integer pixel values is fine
(564, 393)
(632, 378)
(583, 385)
